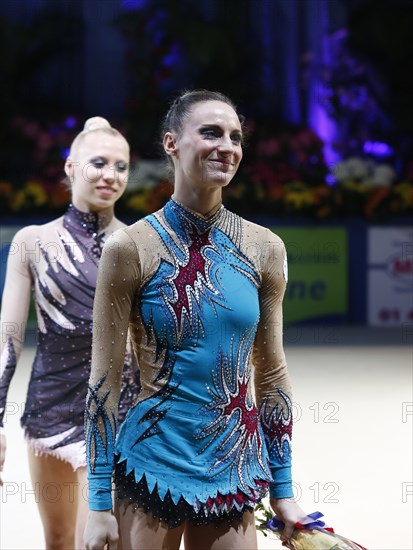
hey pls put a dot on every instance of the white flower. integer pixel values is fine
(359, 168)
(365, 171)
(383, 176)
(352, 169)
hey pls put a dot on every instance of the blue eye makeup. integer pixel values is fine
(213, 132)
(121, 166)
(237, 138)
(209, 132)
(99, 163)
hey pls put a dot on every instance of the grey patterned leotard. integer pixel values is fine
(59, 262)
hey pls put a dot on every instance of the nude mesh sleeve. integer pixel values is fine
(272, 382)
(118, 277)
(14, 311)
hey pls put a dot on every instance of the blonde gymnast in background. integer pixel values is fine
(58, 263)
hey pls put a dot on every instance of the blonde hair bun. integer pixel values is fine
(96, 123)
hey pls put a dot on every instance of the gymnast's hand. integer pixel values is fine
(288, 511)
(101, 530)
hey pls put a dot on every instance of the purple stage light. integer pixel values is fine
(70, 122)
(377, 149)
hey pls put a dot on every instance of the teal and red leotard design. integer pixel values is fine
(211, 428)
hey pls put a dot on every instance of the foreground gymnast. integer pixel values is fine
(202, 291)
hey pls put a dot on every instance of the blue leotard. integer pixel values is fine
(203, 299)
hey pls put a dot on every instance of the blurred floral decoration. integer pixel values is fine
(282, 175)
(284, 172)
(38, 187)
(288, 177)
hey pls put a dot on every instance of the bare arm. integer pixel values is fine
(14, 312)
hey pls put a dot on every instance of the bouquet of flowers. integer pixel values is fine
(311, 534)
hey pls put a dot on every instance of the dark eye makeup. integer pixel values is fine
(99, 162)
(209, 132)
(213, 132)
(121, 166)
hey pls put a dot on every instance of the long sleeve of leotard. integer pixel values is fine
(272, 383)
(14, 310)
(118, 277)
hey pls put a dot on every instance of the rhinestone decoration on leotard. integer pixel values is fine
(193, 447)
(221, 509)
(63, 266)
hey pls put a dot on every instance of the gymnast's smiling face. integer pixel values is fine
(98, 170)
(208, 150)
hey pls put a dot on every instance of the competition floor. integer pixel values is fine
(352, 446)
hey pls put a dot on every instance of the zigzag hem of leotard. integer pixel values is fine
(221, 500)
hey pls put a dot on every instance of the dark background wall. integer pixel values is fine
(90, 65)
(333, 65)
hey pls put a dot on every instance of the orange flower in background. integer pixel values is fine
(60, 196)
(160, 195)
(6, 190)
(375, 199)
(275, 193)
(321, 192)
